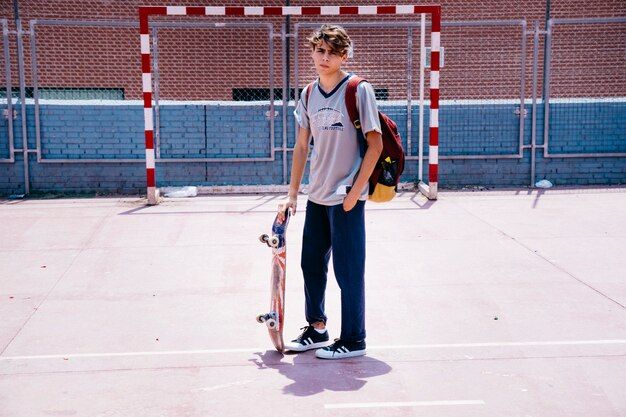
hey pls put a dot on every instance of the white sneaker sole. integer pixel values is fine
(296, 347)
(324, 354)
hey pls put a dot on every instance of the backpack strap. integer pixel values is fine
(353, 112)
(307, 93)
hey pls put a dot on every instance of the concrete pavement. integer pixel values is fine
(499, 303)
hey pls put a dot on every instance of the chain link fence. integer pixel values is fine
(79, 55)
(391, 64)
(76, 60)
(6, 101)
(586, 111)
(218, 61)
(487, 79)
(588, 58)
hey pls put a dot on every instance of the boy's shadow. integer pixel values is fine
(312, 376)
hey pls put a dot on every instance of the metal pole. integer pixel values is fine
(286, 87)
(157, 113)
(420, 163)
(286, 94)
(270, 39)
(545, 51)
(7, 60)
(296, 80)
(533, 142)
(522, 109)
(546, 88)
(20, 65)
(33, 61)
(409, 92)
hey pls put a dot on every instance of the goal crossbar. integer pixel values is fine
(430, 189)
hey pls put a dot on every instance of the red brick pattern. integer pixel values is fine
(206, 63)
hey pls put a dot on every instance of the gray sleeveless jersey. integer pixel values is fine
(335, 159)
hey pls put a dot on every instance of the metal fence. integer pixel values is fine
(186, 69)
(7, 148)
(398, 46)
(493, 81)
(487, 87)
(588, 76)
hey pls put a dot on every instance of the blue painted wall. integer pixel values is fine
(110, 133)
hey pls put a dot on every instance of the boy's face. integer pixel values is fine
(326, 60)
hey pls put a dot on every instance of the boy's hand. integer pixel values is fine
(351, 199)
(292, 203)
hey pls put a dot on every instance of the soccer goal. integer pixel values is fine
(334, 13)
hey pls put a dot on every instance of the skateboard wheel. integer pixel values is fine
(264, 238)
(271, 323)
(274, 241)
(260, 318)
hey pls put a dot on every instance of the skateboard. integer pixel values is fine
(274, 319)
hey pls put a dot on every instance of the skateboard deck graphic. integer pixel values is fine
(275, 318)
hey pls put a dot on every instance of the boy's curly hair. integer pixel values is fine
(335, 36)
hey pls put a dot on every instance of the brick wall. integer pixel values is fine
(483, 63)
(206, 63)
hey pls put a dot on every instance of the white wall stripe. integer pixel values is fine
(434, 80)
(329, 10)
(433, 155)
(434, 117)
(145, 44)
(147, 82)
(176, 10)
(215, 11)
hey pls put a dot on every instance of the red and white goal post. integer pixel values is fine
(430, 189)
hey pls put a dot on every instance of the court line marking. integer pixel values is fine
(507, 344)
(380, 347)
(130, 354)
(404, 404)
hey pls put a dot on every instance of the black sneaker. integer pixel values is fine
(342, 349)
(309, 339)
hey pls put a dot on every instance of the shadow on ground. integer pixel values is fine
(311, 376)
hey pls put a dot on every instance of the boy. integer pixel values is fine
(338, 188)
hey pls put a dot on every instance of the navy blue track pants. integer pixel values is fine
(330, 230)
